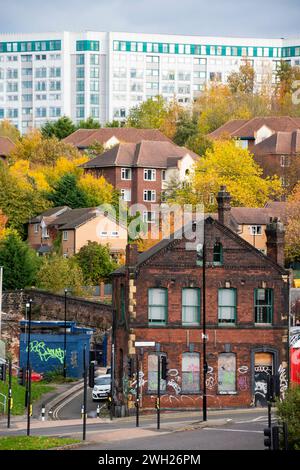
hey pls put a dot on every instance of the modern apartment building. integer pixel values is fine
(102, 74)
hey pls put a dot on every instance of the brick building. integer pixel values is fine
(158, 296)
(142, 171)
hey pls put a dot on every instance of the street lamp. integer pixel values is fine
(65, 336)
(28, 368)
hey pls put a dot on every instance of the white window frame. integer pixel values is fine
(65, 235)
(145, 217)
(123, 193)
(153, 174)
(104, 234)
(253, 229)
(36, 228)
(123, 172)
(153, 195)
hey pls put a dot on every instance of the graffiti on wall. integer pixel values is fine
(45, 353)
(243, 381)
(282, 381)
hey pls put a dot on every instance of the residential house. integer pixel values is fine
(6, 147)
(159, 298)
(111, 136)
(76, 227)
(274, 141)
(142, 171)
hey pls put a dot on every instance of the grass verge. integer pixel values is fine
(34, 442)
(18, 393)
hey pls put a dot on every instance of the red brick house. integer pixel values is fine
(141, 171)
(6, 147)
(274, 141)
(158, 296)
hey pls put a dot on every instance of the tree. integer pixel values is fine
(187, 127)
(226, 164)
(38, 150)
(198, 143)
(60, 129)
(96, 191)
(57, 273)
(66, 192)
(89, 123)
(113, 123)
(286, 77)
(95, 149)
(150, 114)
(96, 263)
(19, 199)
(19, 261)
(3, 221)
(288, 411)
(292, 239)
(7, 129)
(243, 80)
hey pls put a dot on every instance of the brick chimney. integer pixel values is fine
(224, 206)
(275, 233)
(131, 254)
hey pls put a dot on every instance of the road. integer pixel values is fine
(71, 407)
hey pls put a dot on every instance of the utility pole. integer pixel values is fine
(9, 393)
(137, 405)
(65, 336)
(84, 393)
(205, 367)
(28, 369)
(158, 391)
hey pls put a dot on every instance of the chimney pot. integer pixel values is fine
(131, 254)
(224, 205)
(275, 233)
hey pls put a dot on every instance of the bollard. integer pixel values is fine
(98, 411)
(50, 412)
(82, 411)
(43, 412)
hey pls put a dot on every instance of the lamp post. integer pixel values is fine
(65, 336)
(28, 369)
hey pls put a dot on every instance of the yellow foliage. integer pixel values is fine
(98, 190)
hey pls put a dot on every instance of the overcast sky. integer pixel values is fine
(257, 18)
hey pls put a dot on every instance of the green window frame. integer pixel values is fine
(157, 305)
(218, 254)
(263, 305)
(227, 306)
(191, 305)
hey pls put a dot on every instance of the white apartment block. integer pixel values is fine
(47, 75)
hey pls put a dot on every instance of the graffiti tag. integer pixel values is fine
(45, 353)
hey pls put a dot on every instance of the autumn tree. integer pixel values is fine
(243, 80)
(287, 79)
(60, 129)
(3, 221)
(150, 114)
(96, 263)
(7, 129)
(97, 191)
(20, 262)
(229, 165)
(95, 149)
(38, 150)
(57, 273)
(66, 192)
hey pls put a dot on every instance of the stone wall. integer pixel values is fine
(47, 306)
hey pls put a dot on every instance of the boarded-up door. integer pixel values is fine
(263, 367)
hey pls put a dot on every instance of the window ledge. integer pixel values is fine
(224, 325)
(227, 393)
(263, 325)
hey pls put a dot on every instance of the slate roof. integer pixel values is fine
(285, 143)
(83, 138)
(143, 154)
(6, 146)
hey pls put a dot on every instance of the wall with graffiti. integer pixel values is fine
(47, 352)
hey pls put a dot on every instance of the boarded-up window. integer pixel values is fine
(226, 373)
(152, 374)
(190, 372)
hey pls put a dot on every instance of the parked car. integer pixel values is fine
(101, 388)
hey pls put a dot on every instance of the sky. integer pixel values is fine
(249, 18)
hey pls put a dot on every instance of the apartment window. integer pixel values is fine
(54, 112)
(94, 59)
(157, 305)
(95, 112)
(94, 85)
(94, 72)
(149, 195)
(80, 72)
(55, 86)
(190, 372)
(41, 72)
(226, 373)
(65, 235)
(149, 175)
(152, 374)
(255, 229)
(126, 173)
(12, 87)
(36, 228)
(191, 306)
(80, 85)
(94, 98)
(80, 99)
(218, 254)
(227, 306)
(80, 59)
(40, 86)
(263, 305)
(27, 84)
(126, 194)
(12, 113)
(163, 175)
(149, 217)
(80, 112)
(40, 112)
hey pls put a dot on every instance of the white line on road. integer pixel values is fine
(231, 430)
(65, 402)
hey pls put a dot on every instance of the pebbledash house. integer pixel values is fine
(158, 297)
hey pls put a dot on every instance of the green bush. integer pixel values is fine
(288, 412)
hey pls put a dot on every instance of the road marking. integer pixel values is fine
(231, 430)
(64, 403)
